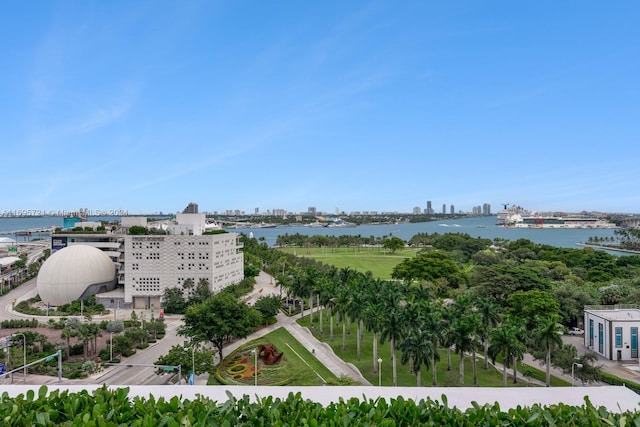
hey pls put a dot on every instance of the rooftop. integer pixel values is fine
(615, 312)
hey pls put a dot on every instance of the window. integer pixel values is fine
(600, 338)
(618, 337)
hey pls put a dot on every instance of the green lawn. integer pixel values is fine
(378, 261)
(446, 378)
(298, 367)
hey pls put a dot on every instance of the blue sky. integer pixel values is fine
(148, 105)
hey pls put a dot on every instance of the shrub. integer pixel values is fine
(128, 352)
(238, 368)
(614, 380)
(76, 349)
(19, 323)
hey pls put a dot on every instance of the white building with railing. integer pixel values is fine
(612, 330)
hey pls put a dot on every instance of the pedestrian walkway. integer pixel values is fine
(265, 285)
(324, 353)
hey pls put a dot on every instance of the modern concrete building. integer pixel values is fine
(154, 263)
(175, 250)
(612, 330)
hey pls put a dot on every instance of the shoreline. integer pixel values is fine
(609, 248)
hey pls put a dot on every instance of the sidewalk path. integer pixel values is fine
(265, 285)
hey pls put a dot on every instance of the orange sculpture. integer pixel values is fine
(269, 354)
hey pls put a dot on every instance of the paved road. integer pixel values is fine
(135, 375)
(25, 291)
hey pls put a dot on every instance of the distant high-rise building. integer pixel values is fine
(429, 210)
(257, 210)
(486, 209)
(192, 208)
(444, 209)
(416, 210)
(311, 210)
(453, 210)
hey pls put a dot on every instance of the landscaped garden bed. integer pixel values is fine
(297, 366)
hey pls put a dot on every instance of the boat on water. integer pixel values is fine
(316, 224)
(341, 223)
(518, 217)
(261, 225)
(331, 223)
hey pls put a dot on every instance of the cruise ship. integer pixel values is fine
(518, 217)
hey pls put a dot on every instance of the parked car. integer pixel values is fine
(576, 331)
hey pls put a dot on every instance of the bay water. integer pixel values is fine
(474, 226)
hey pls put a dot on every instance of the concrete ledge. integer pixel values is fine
(613, 398)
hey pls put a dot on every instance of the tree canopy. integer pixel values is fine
(430, 266)
(218, 320)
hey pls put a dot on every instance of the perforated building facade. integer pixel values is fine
(155, 263)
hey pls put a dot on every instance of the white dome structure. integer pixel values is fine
(73, 273)
(6, 241)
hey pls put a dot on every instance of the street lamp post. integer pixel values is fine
(110, 346)
(193, 358)
(255, 372)
(24, 345)
(575, 365)
(379, 372)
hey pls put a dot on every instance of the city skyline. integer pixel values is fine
(144, 106)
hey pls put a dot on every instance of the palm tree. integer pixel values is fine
(394, 321)
(548, 335)
(419, 343)
(373, 315)
(67, 333)
(462, 336)
(501, 340)
(341, 303)
(85, 334)
(520, 347)
(310, 280)
(188, 286)
(489, 319)
(418, 348)
(446, 319)
(462, 329)
(40, 338)
(506, 340)
(325, 292)
(434, 323)
(355, 308)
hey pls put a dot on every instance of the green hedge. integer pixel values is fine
(111, 407)
(19, 323)
(608, 378)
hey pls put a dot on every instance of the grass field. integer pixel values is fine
(298, 367)
(446, 378)
(378, 261)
